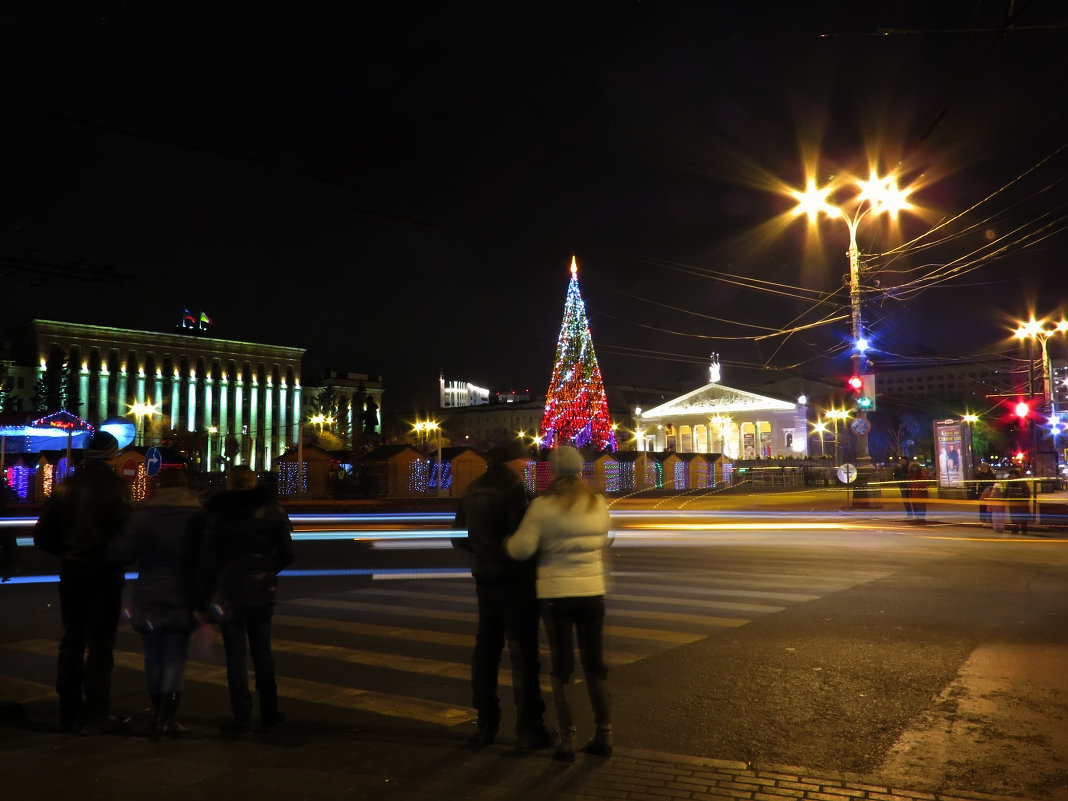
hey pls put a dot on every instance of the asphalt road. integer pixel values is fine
(844, 640)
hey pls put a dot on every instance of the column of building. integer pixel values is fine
(224, 413)
(283, 431)
(239, 419)
(294, 434)
(268, 428)
(253, 421)
(208, 423)
(102, 377)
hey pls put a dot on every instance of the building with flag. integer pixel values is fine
(719, 419)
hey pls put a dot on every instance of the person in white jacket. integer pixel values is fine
(567, 527)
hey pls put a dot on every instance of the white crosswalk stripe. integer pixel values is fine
(420, 632)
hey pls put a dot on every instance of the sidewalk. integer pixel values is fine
(312, 761)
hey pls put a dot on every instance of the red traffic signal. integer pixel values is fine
(1022, 410)
(855, 383)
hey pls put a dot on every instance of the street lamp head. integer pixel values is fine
(812, 202)
(1037, 329)
(883, 194)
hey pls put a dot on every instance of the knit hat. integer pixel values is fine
(102, 446)
(566, 461)
(507, 451)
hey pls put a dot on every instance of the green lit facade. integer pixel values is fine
(240, 397)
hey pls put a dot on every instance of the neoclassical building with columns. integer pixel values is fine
(239, 394)
(719, 419)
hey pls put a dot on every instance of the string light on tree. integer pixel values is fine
(576, 407)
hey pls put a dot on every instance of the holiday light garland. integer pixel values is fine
(576, 407)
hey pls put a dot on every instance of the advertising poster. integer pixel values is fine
(949, 441)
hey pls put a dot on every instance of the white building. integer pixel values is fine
(455, 394)
(732, 422)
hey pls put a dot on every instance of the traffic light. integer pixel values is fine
(864, 387)
(1022, 410)
(867, 392)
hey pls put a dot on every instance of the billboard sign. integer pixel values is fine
(953, 447)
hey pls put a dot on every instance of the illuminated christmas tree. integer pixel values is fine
(576, 408)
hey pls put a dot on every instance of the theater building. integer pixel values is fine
(242, 399)
(718, 419)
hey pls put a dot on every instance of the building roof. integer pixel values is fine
(715, 399)
(385, 453)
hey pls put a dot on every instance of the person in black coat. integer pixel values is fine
(10, 563)
(491, 510)
(77, 523)
(984, 483)
(1017, 496)
(163, 535)
(247, 542)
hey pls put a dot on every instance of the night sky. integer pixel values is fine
(399, 187)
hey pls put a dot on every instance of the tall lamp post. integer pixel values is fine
(871, 197)
(423, 428)
(1040, 331)
(436, 428)
(140, 412)
(821, 429)
(836, 415)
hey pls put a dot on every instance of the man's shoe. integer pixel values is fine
(565, 750)
(483, 737)
(70, 726)
(112, 723)
(173, 730)
(535, 740)
(273, 721)
(118, 723)
(234, 728)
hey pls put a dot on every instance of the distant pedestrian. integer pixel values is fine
(984, 485)
(996, 506)
(917, 485)
(567, 527)
(163, 536)
(1017, 495)
(10, 561)
(490, 510)
(78, 522)
(901, 478)
(247, 542)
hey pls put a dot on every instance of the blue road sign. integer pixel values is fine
(153, 461)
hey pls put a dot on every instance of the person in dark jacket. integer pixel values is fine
(10, 562)
(984, 483)
(491, 510)
(163, 536)
(917, 484)
(1017, 495)
(248, 541)
(901, 478)
(83, 515)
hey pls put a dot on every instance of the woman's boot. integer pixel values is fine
(157, 718)
(171, 727)
(565, 750)
(601, 744)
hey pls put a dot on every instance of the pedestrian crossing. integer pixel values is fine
(401, 649)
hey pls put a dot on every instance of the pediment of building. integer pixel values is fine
(712, 399)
